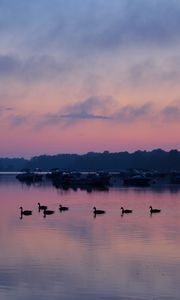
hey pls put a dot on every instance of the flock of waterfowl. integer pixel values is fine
(43, 208)
(126, 211)
(96, 211)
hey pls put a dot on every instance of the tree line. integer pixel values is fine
(157, 159)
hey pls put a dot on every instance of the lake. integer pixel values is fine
(74, 255)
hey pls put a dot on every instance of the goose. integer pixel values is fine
(154, 210)
(48, 212)
(126, 211)
(63, 208)
(98, 211)
(42, 207)
(25, 212)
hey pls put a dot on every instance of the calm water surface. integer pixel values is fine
(72, 255)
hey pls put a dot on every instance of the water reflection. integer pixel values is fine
(76, 256)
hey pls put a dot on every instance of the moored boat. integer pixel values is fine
(29, 177)
(137, 180)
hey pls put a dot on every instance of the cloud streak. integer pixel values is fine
(66, 37)
(128, 114)
(59, 59)
(132, 113)
(92, 24)
(171, 113)
(96, 24)
(92, 108)
(33, 68)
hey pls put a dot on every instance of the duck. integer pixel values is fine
(126, 211)
(63, 208)
(42, 207)
(98, 211)
(48, 212)
(154, 210)
(25, 212)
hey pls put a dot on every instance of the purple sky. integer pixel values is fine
(89, 75)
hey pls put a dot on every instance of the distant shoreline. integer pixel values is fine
(157, 159)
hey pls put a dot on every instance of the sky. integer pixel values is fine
(89, 75)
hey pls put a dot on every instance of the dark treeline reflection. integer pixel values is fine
(89, 189)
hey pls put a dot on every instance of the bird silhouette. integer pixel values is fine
(126, 211)
(48, 212)
(41, 207)
(63, 208)
(154, 210)
(98, 211)
(25, 212)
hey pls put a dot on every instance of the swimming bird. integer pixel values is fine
(63, 208)
(98, 211)
(42, 207)
(48, 212)
(25, 212)
(126, 211)
(154, 210)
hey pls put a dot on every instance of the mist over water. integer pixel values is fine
(74, 255)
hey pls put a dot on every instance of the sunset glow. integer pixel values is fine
(79, 76)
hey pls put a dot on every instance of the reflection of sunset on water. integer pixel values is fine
(133, 254)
